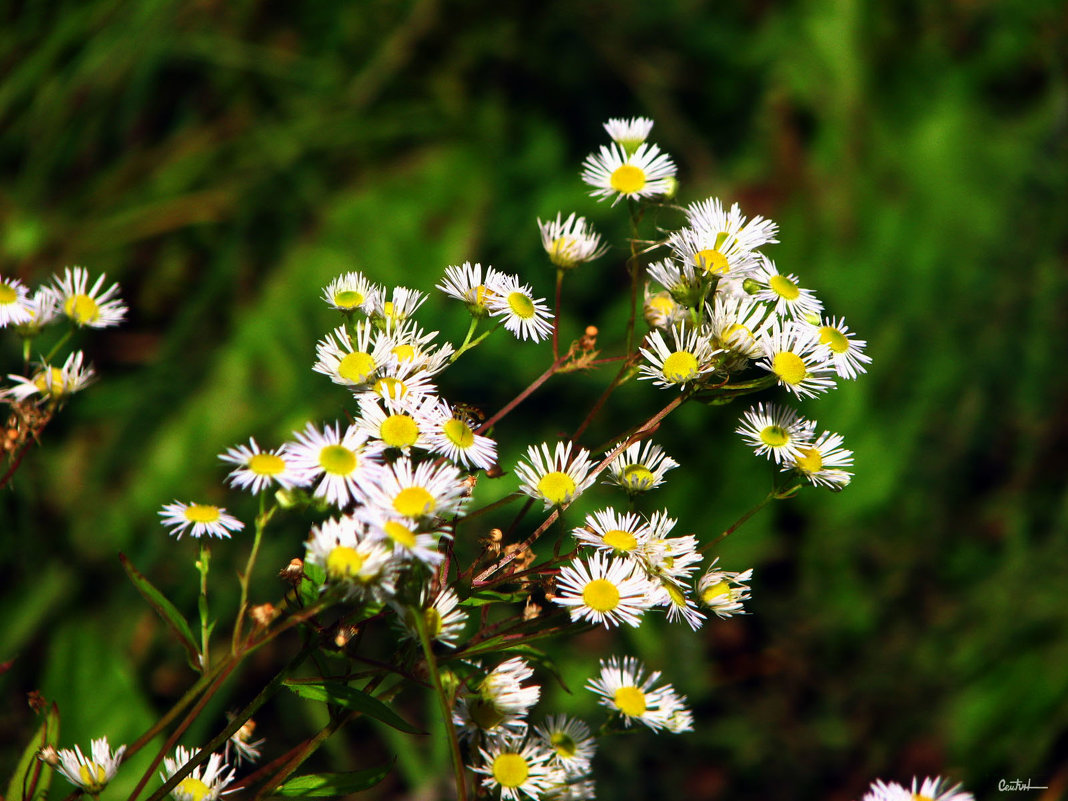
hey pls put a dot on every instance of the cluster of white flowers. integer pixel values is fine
(930, 789)
(68, 297)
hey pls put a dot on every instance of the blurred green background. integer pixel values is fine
(224, 160)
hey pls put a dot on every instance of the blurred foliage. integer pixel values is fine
(224, 161)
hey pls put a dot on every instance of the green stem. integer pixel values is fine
(443, 702)
(556, 314)
(55, 348)
(262, 519)
(203, 566)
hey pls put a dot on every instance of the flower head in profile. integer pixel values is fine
(205, 782)
(640, 467)
(350, 292)
(91, 773)
(244, 747)
(931, 789)
(724, 592)
(570, 242)
(615, 173)
(444, 619)
(499, 704)
(200, 519)
(845, 352)
(629, 133)
(94, 307)
(52, 383)
(257, 469)
(823, 462)
(555, 477)
(465, 283)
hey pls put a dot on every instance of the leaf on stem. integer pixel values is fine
(323, 785)
(32, 777)
(346, 697)
(166, 610)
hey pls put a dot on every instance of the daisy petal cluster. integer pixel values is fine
(204, 783)
(625, 689)
(256, 469)
(199, 519)
(615, 173)
(498, 705)
(570, 242)
(91, 773)
(640, 467)
(723, 592)
(930, 789)
(54, 384)
(555, 477)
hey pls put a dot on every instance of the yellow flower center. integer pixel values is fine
(789, 367)
(620, 540)
(404, 353)
(510, 770)
(680, 367)
(50, 381)
(337, 459)
(711, 261)
(356, 367)
(199, 513)
(93, 776)
(458, 433)
(810, 461)
(388, 309)
(714, 592)
(192, 788)
(399, 533)
(347, 299)
(266, 464)
(659, 305)
(399, 431)
(774, 436)
(564, 744)
(834, 339)
(432, 617)
(561, 250)
(601, 595)
(81, 308)
(783, 287)
(481, 293)
(556, 487)
(736, 335)
(521, 305)
(7, 293)
(637, 476)
(918, 797)
(630, 701)
(628, 179)
(344, 562)
(414, 502)
(390, 387)
(675, 595)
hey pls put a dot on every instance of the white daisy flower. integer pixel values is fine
(846, 353)
(402, 304)
(792, 354)
(672, 595)
(343, 466)
(16, 306)
(640, 467)
(524, 315)
(570, 742)
(91, 774)
(690, 360)
(678, 718)
(686, 285)
(43, 307)
(402, 424)
(724, 592)
(498, 706)
(402, 535)
(607, 530)
(823, 462)
(515, 768)
(777, 432)
(54, 383)
(360, 566)
(258, 469)
(710, 218)
(603, 590)
(556, 478)
(465, 283)
(352, 291)
(736, 325)
(660, 310)
(629, 133)
(931, 789)
(204, 783)
(399, 380)
(572, 789)
(669, 560)
(445, 620)
(85, 306)
(625, 689)
(424, 492)
(410, 344)
(614, 172)
(785, 293)
(570, 242)
(200, 518)
(452, 434)
(352, 362)
(711, 255)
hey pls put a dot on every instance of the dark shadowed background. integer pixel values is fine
(225, 160)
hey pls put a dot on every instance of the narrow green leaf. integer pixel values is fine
(323, 785)
(32, 775)
(347, 697)
(485, 597)
(166, 610)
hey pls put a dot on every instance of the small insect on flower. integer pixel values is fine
(570, 242)
(204, 783)
(91, 774)
(604, 590)
(200, 519)
(85, 306)
(452, 434)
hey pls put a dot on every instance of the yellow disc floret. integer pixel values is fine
(789, 367)
(266, 464)
(81, 308)
(637, 476)
(337, 459)
(556, 487)
(630, 701)
(201, 513)
(601, 595)
(399, 431)
(774, 436)
(620, 540)
(414, 502)
(711, 261)
(521, 305)
(347, 299)
(834, 339)
(356, 367)
(810, 461)
(344, 562)
(192, 788)
(628, 179)
(93, 776)
(783, 287)
(399, 533)
(680, 367)
(458, 433)
(510, 770)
